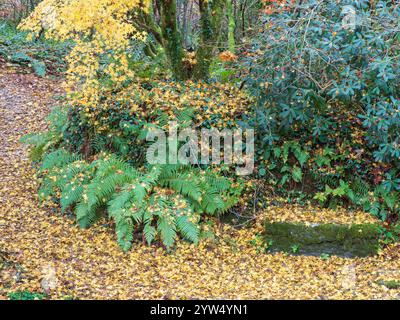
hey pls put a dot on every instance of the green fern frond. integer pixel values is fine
(58, 158)
(124, 229)
(212, 202)
(45, 140)
(71, 195)
(149, 233)
(40, 142)
(85, 215)
(57, 119)
(184, 183)
(99, 143)
(36, 139)
(166, 230)
(184, 117)
(188, 229)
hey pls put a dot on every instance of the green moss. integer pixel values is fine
(342, 240)
(25, 295)
(389, 284)
(211, 17)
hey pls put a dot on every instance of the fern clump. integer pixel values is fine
(162, 200)
(44, 141)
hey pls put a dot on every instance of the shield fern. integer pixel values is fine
(163, 201)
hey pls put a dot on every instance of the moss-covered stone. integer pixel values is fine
(356, 240)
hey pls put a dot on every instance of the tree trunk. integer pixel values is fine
(231, 26)
(169, 36)
(185, 22)
(172, 38)
(211, 18)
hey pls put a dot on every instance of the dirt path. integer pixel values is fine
(89, 264)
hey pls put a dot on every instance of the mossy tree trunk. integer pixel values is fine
(211, 18)
(168, 35)
(172, 39)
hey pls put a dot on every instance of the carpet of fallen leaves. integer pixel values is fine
(39, 243)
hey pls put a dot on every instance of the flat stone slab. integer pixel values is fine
(345, 240)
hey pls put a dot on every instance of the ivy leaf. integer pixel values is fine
(301, 156)
(297, 174)
(262, 172)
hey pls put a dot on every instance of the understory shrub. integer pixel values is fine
(92, 160)
(43, 56)
(325, 75)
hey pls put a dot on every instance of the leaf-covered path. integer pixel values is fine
(47, 247)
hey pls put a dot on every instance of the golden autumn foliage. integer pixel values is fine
(102, 31)
(213, 104)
